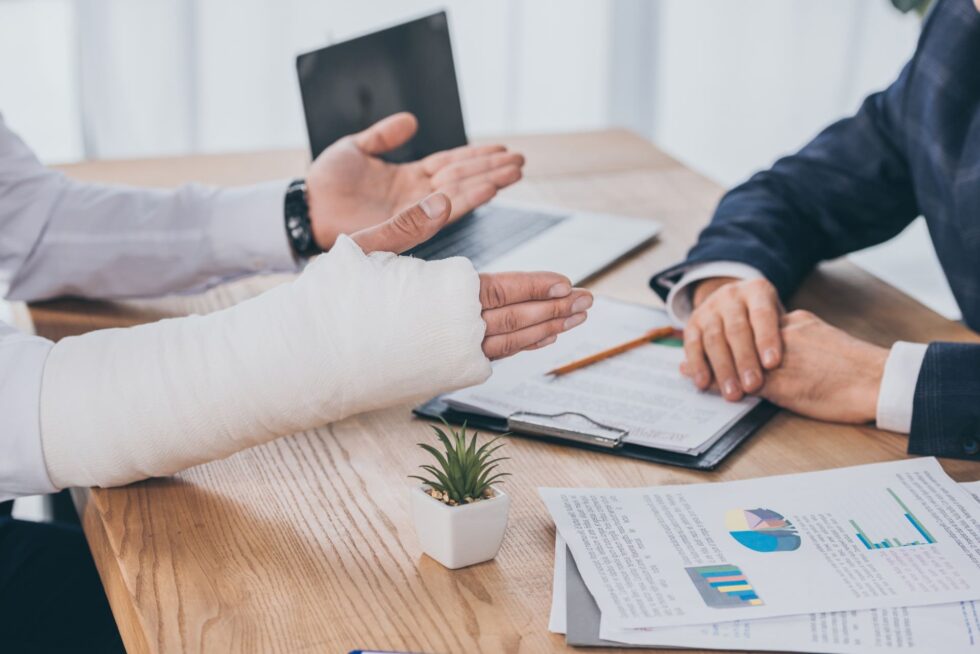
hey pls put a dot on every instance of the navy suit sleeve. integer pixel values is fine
(847, 189)
(946, 409)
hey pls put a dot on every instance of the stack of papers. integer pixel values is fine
(640, 392)
(880, 557)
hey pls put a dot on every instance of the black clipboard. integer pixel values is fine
(437, 409)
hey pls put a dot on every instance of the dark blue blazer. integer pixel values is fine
(913, 149)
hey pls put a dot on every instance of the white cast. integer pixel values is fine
(353, 333)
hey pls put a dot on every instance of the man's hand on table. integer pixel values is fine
(740, 339)
(350, 188)
(733, 334)
(522, 310)
(825, 373)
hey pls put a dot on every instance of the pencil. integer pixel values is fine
(659, 332)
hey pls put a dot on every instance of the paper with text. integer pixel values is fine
(640, 391)
(880, 536)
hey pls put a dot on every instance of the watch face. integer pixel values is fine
(298, 226)
(299, 234)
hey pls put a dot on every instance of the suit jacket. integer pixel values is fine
(912, 149)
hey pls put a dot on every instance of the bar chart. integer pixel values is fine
(915, 532)
(723, 586)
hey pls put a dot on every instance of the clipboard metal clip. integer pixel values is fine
(558, 425)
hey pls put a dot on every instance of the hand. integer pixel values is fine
(825, 373)
(733, 335)
(522, 311)
(349, 188)
(527, 310)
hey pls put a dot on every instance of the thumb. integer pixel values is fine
(408, 228)
(387, 134)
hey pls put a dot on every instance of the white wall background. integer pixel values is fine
(725, 86)
(739, 83)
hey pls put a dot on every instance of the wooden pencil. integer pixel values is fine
(659, 332)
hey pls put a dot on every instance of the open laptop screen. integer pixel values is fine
(348, 86)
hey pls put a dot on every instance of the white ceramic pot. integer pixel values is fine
(458, 536)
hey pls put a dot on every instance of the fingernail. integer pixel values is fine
(573, 321)
(701, 380)
(728, 388)
(769, 357)
(547, 341)
(435, 205)
(581, 304)
(750, 379)
(559, 290)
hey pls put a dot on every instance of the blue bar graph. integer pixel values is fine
(887, 543)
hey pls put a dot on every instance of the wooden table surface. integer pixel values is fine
(306, 544)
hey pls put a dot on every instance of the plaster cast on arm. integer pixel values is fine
(353, 333)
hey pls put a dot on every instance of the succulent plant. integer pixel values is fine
(465, 472)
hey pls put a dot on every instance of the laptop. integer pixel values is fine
(348, 86)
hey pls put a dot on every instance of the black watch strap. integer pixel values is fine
(298, 227)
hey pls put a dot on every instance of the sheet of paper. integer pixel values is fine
(640, 391)
(556, 619)
(880, 536)
(951, 628)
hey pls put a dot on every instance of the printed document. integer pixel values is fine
(640, 391)
(881, 536)
(951, 628)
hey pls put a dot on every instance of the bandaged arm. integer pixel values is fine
(353, 333)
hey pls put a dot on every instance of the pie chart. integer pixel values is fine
(762, 530)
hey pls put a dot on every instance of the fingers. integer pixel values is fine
(474, 181)
(480, 189)
(764, 315)
(477, 165)
(504, 345)
(500, 289)
(528, 310)
(407, 229)
(741, 342)
(720, 357)
(696, 361)
(546, 342)
(733, 336)
(387, 134)
(469, 197)
(515, 317)
(435, 162)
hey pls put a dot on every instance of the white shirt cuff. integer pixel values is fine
(22, 467)
(679, 300)
(897, 394)
(249, 229)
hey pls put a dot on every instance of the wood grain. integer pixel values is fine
(306, 544)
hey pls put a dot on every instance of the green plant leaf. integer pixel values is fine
(439, 475)
(435, 453)
(428, 482)
(465, 467)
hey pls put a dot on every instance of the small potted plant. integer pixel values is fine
(460, 516)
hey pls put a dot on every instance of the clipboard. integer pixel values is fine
(591, 435)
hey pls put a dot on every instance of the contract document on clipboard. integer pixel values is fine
(638, 397)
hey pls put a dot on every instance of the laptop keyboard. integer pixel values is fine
(483, 235)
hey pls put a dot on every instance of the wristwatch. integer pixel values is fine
(298, 227)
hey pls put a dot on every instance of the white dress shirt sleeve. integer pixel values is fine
(679, 299)
(22, 469)
(897, 393)
(896, 397)
(60, 237)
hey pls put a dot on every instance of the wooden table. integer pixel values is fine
(306, 544)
